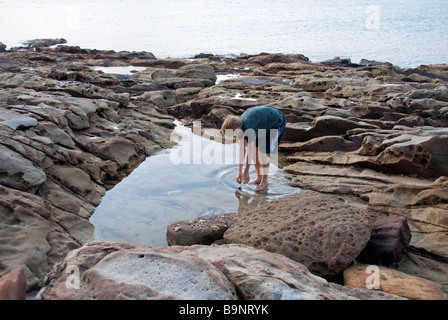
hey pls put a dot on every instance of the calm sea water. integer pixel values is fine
(405, 32)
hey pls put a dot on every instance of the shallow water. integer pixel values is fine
(177, 184)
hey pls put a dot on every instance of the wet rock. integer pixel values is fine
(395, 282)
(320, 231)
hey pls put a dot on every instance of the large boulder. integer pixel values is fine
(106, 270)
(320, 231)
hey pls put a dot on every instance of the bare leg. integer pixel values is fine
(264, 171)
(257, 167)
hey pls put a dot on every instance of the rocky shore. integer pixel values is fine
(365, 143)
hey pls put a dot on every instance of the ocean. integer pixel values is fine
(407, 33)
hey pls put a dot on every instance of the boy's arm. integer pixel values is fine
(243, 177)
(241, 155)
(250, 158)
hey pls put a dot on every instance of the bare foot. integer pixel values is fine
(256, 181)
(262, 186)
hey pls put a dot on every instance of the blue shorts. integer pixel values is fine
(268, 144)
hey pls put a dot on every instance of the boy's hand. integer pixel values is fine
(239, 178)
(243, 178)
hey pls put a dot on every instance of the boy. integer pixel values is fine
(262, 127)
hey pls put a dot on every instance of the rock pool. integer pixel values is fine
(166, 188)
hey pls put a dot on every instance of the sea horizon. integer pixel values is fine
(404, 33)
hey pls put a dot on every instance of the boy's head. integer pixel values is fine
(233, 123)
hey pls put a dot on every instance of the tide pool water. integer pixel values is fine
(407, 33)
(166, 188)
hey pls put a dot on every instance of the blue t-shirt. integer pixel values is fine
(262, 118)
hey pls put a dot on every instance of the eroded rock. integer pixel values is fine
(322, 232)
(187, 273)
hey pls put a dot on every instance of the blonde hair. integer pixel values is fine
(232, 122)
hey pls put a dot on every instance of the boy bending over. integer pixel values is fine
(262, 128)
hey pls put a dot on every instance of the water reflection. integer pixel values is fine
(159, 192)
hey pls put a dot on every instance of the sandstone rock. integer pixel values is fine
(18, 172)
(78, 181)
(106, 270)
(395, 282)
(204, 230)
(151, 273)
(198, 71)
(316, 84)
(261, 275)
(13, 285)
(162, 98)
(117, 149)
(424, 267)
(320, 231)
(390, 235)
(54, 133)
(324, 126)
(14, 120)
(264, 59)
(24, 222)
(36, 43)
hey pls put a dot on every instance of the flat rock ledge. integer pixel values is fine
(227, 272)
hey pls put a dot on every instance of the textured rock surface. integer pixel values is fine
(395, 282)
(95, 271)
(66, 133)
(322, 232)
(199, 231)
